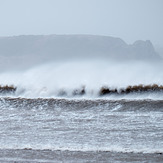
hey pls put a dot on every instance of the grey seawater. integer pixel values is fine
(67, 130)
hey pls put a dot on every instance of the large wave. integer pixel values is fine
(85, 78)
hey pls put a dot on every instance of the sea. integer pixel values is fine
(58, 114)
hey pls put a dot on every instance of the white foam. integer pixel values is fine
(49, 79)
(84, 148)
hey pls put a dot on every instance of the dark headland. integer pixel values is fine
(29, 50)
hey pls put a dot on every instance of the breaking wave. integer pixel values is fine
(104, 91)
(85, 79)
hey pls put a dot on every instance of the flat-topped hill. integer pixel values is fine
(33, 49)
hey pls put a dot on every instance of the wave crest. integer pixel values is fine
(83, 90)
(130, 89)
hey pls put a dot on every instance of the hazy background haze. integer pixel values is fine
(130, 20)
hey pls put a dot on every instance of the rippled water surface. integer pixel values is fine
(82, 125)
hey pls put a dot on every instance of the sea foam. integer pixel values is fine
(57, 78)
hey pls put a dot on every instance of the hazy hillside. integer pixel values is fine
(31, 50)
(159, 49)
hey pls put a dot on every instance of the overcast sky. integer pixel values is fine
(128, 19)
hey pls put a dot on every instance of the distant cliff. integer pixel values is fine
(35, 49)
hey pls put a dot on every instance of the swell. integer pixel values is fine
(67, 104)
(96, 150)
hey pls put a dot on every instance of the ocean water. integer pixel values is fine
(40, 124)
(79, 125)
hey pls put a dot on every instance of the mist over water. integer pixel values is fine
(53, 102)
(47, 80)
(82, 94)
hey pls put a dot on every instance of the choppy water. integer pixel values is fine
(51, 117)
(82, 125)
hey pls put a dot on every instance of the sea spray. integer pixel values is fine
(82, 78)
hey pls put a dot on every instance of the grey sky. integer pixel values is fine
(128, 19)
